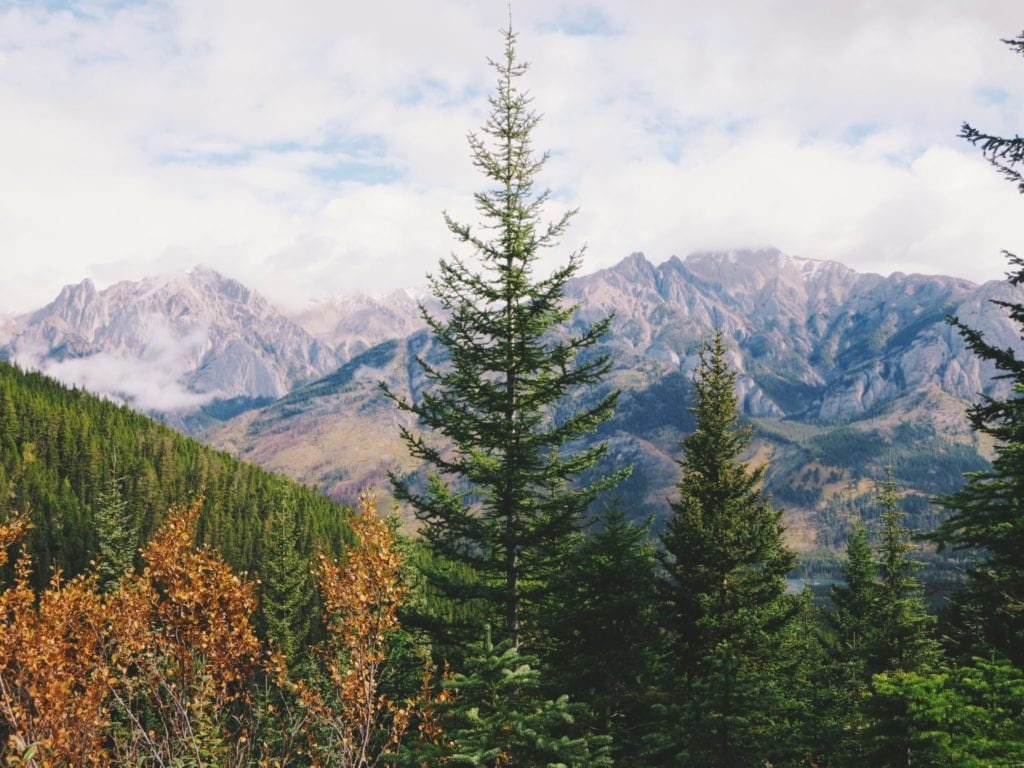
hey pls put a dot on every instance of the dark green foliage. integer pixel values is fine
(903, 624)
(61, 448)
(287, 602)
(604, 647)
(853, 618)
(499, 717)
(879, 626)
(726, 612)
(988, 515)
(502, 500)
(433, 611)
(923, 458)
(988, 511)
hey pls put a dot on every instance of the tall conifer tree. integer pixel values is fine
(904, 624)
(988, 511)
(854, 617)
(286, 604)
(504, 497)
(726, 610)
(882, 632)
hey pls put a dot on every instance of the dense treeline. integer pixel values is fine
(65, 455)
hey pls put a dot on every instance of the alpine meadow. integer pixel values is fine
(490, 564)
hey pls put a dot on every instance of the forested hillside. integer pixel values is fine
(68, 458)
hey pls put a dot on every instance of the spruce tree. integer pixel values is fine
(988, 511)
(115, 534)
(882, 633)
(853, 618)
(851, 637)
(726, 609)
(499, 717)
(287, 599)
(504, 410)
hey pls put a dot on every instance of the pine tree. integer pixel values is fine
(503, 498)
(726, 608)
(988, 511)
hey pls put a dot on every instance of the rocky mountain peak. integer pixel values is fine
(352, 324)
(170, 343)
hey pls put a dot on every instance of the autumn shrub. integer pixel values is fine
(352, 723)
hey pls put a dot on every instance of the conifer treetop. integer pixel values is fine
(505, 403)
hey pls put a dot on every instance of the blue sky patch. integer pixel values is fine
(992, 95)
(361, 159)
(855, 134)
(431, 91)
(584, 21)
(94, 9)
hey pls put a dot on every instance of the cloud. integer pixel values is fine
(148, 375)
(311, 153)
(125, 379)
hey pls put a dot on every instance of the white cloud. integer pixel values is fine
(310, 150)
(148, 375)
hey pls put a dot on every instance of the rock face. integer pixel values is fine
(171, 345)
(814, 339)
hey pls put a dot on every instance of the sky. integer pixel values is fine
(309, 148)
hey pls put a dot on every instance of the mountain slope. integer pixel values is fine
(62, 449)
(815, 340)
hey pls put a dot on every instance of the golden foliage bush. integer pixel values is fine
(162, 669)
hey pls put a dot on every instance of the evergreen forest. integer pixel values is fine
(162, 604)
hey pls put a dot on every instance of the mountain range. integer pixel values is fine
(840, 372)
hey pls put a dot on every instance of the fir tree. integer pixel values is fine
(988, 511)
(502, 498)
(726, 608)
